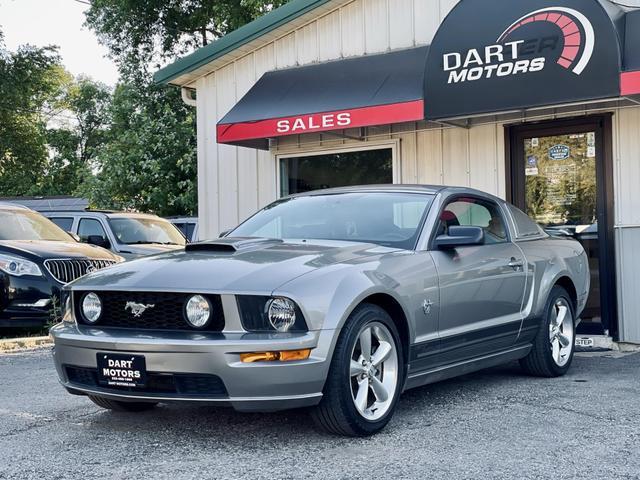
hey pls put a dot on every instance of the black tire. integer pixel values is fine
(118, 406)
(539, 362)
(336, 413)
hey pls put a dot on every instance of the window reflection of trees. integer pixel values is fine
(564, 191)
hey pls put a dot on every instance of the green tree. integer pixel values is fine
(137, 32)
(75, 142)
(150, 162)
(31, 92)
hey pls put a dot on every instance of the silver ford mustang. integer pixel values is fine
(338, 299)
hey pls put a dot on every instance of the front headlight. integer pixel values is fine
(281, 313)
(197, 311)
(270, 314)
(18, 266)
(91, 307)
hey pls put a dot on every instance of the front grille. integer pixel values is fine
(167, 312)
(69, 269)
(180, 384)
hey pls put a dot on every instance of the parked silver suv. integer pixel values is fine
(130, 235)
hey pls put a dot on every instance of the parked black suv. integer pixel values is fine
(36, 259)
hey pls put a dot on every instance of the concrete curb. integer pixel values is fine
(10, 345)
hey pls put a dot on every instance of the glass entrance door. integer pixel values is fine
(559, 177)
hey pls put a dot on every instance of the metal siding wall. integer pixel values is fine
(627, 179)
(376, 25)
(401, 23)
(227, 155)
(207, 158)
(628, 265)
(329, 42)
(233, 182)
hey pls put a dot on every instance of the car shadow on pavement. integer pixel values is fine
(230, 427)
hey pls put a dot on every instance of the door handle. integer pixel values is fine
(515, 263)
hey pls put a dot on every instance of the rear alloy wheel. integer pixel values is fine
(119, 406)
(365, 377)
(552, 351)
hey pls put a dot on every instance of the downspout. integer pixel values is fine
(188, 96)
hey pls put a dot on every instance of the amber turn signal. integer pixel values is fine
(284, 356)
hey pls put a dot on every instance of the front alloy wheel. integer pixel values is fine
(366, 375)
(374, 371)
(552, 350)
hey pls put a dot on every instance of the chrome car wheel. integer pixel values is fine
(561, 332)
(374, 371)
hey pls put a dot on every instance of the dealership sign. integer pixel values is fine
(521, 54)
(488, 57)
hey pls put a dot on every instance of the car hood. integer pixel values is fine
(140, 250)
(53, 249)
(259, 268)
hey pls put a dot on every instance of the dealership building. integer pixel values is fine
(535, 101)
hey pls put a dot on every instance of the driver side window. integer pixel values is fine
(90, 227)
(473, 212)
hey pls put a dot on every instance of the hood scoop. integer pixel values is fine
(232, 244)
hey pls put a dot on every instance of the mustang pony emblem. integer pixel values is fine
(138, 308)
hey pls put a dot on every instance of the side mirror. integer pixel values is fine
(224, 234)
(75, 236)
(99, 241)
(460, 237)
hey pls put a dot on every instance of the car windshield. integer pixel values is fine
(29, 225)
(388, 219)
(139, 230)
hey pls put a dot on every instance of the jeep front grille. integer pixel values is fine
(69, 269)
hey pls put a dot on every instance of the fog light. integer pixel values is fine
(281, 313)
(283, 356)
(198, 311)
(91, 307)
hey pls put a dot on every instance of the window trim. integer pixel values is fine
(393, 144)
(452, 198)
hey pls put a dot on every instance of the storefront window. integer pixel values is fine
(316, 172)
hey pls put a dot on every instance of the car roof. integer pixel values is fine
(132, 214)
(99, 213)
(400, 188)
(13, 206)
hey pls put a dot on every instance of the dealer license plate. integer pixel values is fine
(120, 370)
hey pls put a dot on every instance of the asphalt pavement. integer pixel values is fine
(497, 423)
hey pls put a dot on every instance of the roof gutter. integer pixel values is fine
(237, 38)
(188, 96)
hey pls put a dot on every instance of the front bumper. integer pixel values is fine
(260, 386)
(27, 301)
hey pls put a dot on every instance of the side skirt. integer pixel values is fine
(462, 368)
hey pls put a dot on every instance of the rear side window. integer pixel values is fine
(190, 227)
(525, 227)
(64, 223)
(182, 227)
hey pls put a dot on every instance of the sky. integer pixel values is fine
(57, 22)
